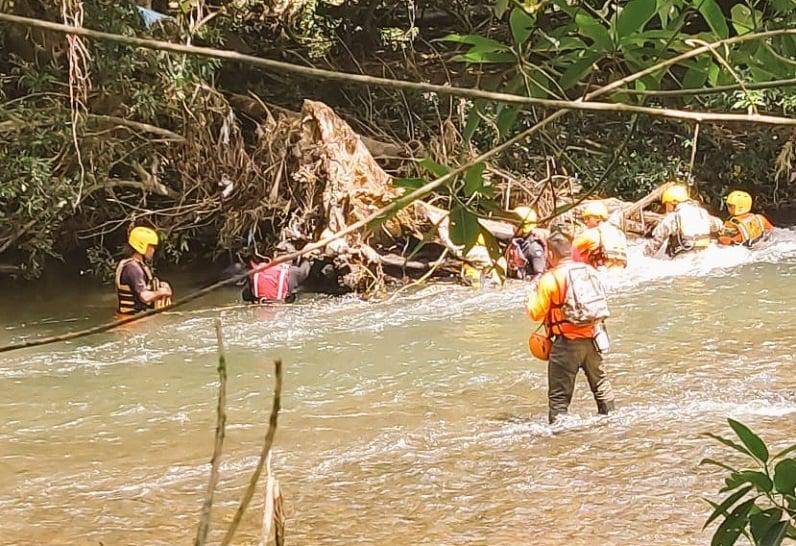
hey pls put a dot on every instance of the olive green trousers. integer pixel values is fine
(566, 358)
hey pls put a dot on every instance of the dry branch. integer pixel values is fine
(218, 445)
(266, 451)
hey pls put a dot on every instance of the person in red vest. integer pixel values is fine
(277, 284)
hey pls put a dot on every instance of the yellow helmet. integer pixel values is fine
(739, 202)
(528, 218)
(596, 209)
(675, 194)
(141, 237)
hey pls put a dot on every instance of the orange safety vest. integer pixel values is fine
(555, 322)
(128, 303)
(747, 230)
(611, 248)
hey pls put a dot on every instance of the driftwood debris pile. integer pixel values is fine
(343, 183)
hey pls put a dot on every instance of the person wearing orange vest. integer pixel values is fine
(137, 289)
(277, 284)
(574, 346)
(602, 244)
(743, 227)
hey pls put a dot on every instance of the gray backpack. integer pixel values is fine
(585, 301)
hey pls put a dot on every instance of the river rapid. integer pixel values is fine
(418, 421)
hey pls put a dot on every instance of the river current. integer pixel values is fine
(421, 420)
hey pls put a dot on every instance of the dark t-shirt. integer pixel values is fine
(534, 253)
(133, 275)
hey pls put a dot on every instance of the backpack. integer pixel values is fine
(515, 257)
(585, 301)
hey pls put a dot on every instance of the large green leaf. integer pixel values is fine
(697, 75)
(775, 535)
(476, 56)
(783, 6)
(719, 464)
(726, 504)
(464, 227)
(577, 70)
(742, 19)
(433, 167)
(714, 17)
(474, 179)
(752, 441)
(591, 28)
(664, 8)
(733, 525)
(522, 25)
(409, 183)
(474, 119)
(567, 43)
(761, 482)
(506, 118)
(787, 450)
(501, 6)
(634, 16)
(762, 522)
(728, 443)
(483, 43)
(785, 477)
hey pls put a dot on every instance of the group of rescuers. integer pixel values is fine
(566, 295)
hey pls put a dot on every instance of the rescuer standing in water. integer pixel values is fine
(602, 244)
(526, 253)
(277, 284)
(570, 301)
(743, 227)
(137, 289)
(686, 227)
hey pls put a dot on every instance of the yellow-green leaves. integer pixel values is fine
(634, 16)
(591, 28)
(713, 15)
(522, 25)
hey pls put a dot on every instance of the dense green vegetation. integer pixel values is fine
(761, 504)
(56, 202)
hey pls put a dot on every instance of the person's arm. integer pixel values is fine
(298, 275)
(539, 300)
(134, 277)
(246, 294)
(767, 225)
(535, 254)
(716, 225)
(660, 236)
(150, 296)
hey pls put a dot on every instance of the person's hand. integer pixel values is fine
(165, 289)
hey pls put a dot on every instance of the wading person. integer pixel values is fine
(570, 301)
(743, 227)
(526, 254)
(479, 270)
(601, 244)
(277, 284)
(686, 227)
(137, 289)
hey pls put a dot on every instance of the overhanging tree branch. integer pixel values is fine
(318, 73)
(374, 217)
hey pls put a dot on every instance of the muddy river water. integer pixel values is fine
(418, 421)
